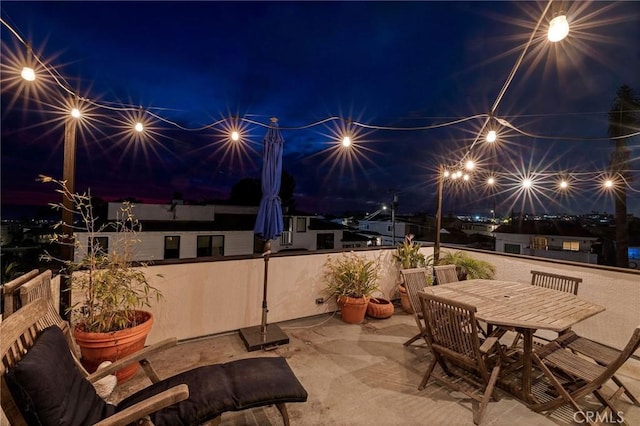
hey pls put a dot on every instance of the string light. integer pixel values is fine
(558, 28)
(491, 181)
(28, 74)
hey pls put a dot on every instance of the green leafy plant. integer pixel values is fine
(408, 254)
(111, 288)
(351, 275)
(467, 266)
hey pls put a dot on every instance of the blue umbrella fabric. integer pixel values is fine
(269, 221)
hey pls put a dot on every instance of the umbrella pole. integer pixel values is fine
(266, 254)
(261, 336)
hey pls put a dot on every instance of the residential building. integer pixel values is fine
(560, 240)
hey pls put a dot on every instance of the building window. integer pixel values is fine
(539, 243)
(101, 244)
(571, 245)
(210, 245)
(301, 224)
(287, 232)
(172, 247)
(512, 248)
(325, 241)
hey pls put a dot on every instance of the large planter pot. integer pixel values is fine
(404, 299)
(353, 309)
(98, 347)
(379, 308)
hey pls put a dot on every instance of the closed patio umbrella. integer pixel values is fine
(268, 226)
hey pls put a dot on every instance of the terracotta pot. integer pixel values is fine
(353, 309)
(404, 299)
(379, 308)
(98, 347)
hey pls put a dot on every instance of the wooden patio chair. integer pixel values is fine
(556, 282)
(415, 280)
(452, 333)
(43, 383)
(586, 377)
(445, 274)
(602, 354)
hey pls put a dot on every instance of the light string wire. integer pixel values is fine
(507, 82)
(120, 107)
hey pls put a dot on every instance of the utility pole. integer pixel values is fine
(394, 204)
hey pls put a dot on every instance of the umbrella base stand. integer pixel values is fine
(253, 338)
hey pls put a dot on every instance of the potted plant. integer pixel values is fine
(352, 279)
(467, 266)
(108, 321)
(408, 256)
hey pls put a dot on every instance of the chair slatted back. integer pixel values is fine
(11, 292)
(415, 280)
(446, 274)
(452, 329)
(555, 282)
(35, 288)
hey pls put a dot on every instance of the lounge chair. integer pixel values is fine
(43, 383)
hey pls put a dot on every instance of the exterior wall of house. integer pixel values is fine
(554, 247)
(384, 228)
(150, 246)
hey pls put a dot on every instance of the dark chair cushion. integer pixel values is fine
(233, 386)
(50, 390)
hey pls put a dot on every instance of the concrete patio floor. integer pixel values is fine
(357, 375)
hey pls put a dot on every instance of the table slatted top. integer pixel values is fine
(521, 305)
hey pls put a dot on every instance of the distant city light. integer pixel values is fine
(75, 113)
(346, 141)
(492, 136)
(558, 28)
(139, 127)
(28, 74)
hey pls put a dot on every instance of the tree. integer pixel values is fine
(248, 192)
(624, 118)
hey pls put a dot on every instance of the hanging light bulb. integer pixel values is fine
(527, 183)
(564, 184)
(235, 136)
(608, 183)
(346, 141)
(491, 180)
(28, 74)
(466, 177)
(492, 136)
(75, 113)
(139, 127)
(558, 28)
(470, 165)
(446, 173)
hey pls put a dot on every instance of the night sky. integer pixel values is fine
(387, 64)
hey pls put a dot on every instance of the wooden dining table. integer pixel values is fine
(522, 307)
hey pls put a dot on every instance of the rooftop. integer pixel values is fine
(359, 375)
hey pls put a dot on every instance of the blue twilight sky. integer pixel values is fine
(388, 64)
